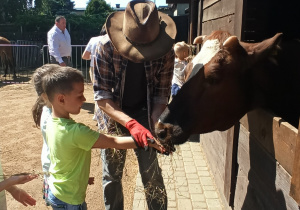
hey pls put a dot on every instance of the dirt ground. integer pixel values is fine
(21, 144)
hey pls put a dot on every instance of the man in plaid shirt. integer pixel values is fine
(133, 73)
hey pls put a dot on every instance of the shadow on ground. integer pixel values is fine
(89, 107)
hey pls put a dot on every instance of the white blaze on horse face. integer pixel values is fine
(208, 51)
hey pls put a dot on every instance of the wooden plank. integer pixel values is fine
(215, 143)
(177, 1)
(268, 183)
(208, 3)
(212, 144)
(220, 9)
(230, 163)
(213, 162)
(252, 193)
(295, 182)
(275, 135)
(225, 23)
(194, 19)
(199, 22)
(242, 190)
(285, 140)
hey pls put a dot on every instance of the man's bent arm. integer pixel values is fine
(156, 112)
(113, 111)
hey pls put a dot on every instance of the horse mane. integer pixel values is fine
(220, 35)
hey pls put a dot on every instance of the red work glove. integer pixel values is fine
(139, 133)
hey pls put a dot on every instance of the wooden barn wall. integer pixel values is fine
(215, 147)
(265, 154)
(275, 135)
(218, 15)
(265, 163)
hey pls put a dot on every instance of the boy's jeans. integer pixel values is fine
(174, 89)
(57, 204)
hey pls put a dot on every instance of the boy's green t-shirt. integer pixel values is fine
(70, 146)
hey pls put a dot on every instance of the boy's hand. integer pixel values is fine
(139, 133)
(159, 147)
(22, 196)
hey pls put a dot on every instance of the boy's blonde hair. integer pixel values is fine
(61, 81)
(182, 50)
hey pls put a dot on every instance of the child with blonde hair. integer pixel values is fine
(182, 53)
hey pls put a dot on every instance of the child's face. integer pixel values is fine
(75, 98)
(182, 53)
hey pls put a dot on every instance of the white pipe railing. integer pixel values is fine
(77, 61)
(31, 55)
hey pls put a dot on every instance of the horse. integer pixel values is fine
(230, 78)
(6, 55)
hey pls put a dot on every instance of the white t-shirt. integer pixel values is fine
(178, 74)
(91, 47)
(45, 157)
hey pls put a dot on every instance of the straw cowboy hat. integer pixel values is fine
(141, 33)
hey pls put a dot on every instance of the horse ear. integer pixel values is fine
(199, 39)
(258, 51)
(231, 42)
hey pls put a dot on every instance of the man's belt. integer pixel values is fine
(68, 57)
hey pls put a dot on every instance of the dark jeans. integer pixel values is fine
(67, 60)
(113, 164)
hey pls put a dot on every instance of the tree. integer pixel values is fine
(98, 8)
(10, 9)
(54, 7)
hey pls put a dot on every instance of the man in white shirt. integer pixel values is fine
(59, 43)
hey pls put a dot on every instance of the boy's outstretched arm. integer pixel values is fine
(126, 142)
(13, 180)
(17, 193)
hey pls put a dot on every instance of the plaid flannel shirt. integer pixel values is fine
(110, 70)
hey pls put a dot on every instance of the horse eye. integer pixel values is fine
(211, 81)
(162, 134)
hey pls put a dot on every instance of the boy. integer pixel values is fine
(70, 143)
(181, 50)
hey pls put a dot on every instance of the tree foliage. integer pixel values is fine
(54, 7)
(98, 8)
(34, 23)
(10, 9)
